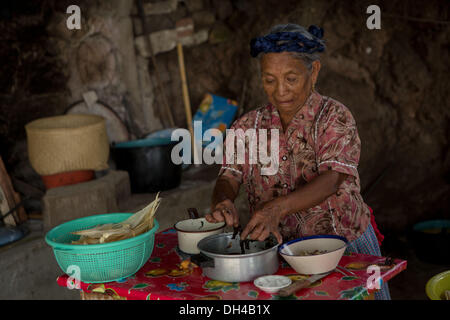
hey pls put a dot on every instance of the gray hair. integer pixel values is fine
(306, 58)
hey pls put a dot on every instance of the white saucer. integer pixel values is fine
(272, 283)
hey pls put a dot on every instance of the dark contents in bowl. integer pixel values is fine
(312, 253)
(229, 246)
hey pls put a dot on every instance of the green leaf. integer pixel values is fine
(140, 286)
(253, 294)
(356, 293)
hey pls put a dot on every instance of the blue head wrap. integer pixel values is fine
(292, 42)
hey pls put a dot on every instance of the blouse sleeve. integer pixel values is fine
(338, 142)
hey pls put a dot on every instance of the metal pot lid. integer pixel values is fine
(222, 245)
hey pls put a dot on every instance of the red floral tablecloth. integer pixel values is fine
(163, 278)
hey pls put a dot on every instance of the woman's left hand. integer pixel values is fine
(264, 221)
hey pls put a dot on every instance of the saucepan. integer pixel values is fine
(191, 231)
(225, 257)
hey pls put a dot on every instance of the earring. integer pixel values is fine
(313, 87)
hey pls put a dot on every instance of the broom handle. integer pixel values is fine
(187, 104)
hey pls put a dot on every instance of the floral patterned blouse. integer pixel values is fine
(321, 136)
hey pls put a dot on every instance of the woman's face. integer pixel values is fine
(286, 80)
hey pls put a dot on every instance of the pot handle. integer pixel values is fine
(193, 213)
(202, 260)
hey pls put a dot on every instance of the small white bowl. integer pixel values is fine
(191, 231)
(272, 283)
(314, 264)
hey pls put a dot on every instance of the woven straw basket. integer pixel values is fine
(67, 143)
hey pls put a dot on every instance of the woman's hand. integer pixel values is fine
(264, 222)
(224, 211)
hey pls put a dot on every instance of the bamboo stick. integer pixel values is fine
(187, 103)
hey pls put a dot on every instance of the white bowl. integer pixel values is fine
(313, 264)
(272, 284)
(191, 231)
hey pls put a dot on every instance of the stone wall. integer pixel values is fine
(100, 57)
(200, 26)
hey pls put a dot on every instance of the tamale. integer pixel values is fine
(138, 223)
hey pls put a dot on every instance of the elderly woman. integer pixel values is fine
(316, 189)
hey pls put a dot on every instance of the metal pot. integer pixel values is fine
(221, 258)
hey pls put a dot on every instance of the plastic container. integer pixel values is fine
(431, 241)
(149, 164)
(100, 262)
(437, 286)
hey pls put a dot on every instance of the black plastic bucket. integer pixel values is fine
(149, 164)
(431, 241)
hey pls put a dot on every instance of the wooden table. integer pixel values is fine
(163, 278)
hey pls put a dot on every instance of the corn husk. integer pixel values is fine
(138, 223)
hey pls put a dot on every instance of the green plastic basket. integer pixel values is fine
(100, 262)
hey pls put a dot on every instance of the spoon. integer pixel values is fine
(193, 213)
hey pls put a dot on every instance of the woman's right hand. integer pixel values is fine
(224, 211)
